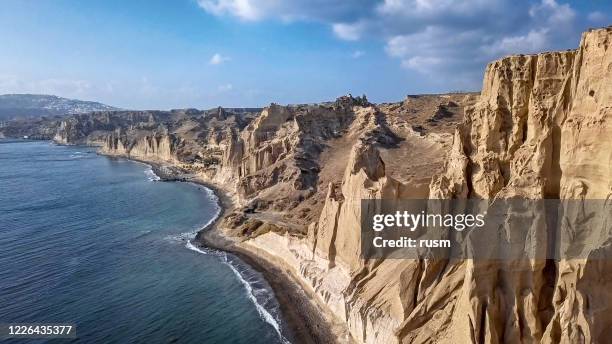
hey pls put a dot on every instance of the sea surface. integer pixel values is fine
(99, 242)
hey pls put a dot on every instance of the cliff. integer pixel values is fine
(540, 129)
(389, 151)
(154, 147)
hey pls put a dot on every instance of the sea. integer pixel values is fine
(101, 243)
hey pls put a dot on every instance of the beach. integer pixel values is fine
(301, 314)
(105, 244)
(307, 320)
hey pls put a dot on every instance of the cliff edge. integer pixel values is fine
(540, 129)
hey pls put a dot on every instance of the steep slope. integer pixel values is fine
(539, 129)
(376, 155)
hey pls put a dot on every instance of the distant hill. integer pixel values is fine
(37, 105)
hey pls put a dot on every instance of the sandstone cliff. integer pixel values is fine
(539, 129)
(542, 129)
(377, 154)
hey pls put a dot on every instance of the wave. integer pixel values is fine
(151, 175)
(204, 250)
(252, 292)
(192, 234)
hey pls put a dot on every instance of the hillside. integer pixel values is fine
(540, 129)
(14, 106)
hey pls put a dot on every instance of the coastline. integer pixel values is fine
(301, 314)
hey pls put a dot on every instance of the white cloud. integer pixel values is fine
(218, 59)
(452, 39)
(597, 17)
(433, 8)
(434, 49)
(348, 32)
(422, 63)
(225, 88)
(288, 10)
(553, 13)
(243, 9)
(357, 54)
(534, 41)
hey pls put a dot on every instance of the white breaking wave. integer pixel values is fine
(261, 310)
(77, 155)
(204, 250)
(215, 199)
(251, 293)
(188, 236)
(151, 175)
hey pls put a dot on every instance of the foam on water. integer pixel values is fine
(78, 155)
(188, 236)
(62, 244)
(151, 175)
(251, 291)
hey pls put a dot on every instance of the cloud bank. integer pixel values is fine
(435, 38)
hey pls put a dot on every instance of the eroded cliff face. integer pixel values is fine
(154, 147)
(278, 152)
(379, 155)
(372, 298)
(540, 129)
(189, 138)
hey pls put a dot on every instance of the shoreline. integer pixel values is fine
(300, 316)
(299, 313)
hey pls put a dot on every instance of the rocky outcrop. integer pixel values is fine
(155, 147)
(93, 128)
(371, 297)
(540, 129)
(275, 159)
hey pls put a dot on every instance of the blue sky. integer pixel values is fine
(204, 53)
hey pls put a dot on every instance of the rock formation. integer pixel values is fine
(540, 129)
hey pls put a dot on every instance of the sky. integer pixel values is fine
(162, 54)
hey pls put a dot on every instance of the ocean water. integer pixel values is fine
(98, 242)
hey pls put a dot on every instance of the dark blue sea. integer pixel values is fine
(98, 242)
